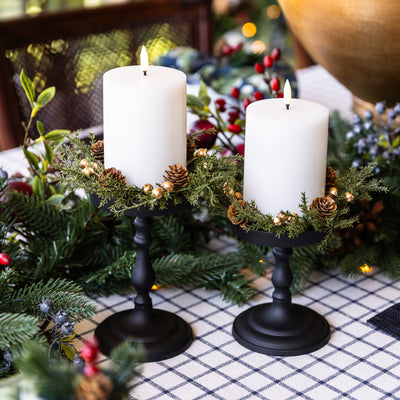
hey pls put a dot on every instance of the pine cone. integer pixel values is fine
(112, 173)
(98, 150)
(178, 175)
(330, 180)
(94, 387)
(233, 214)
(190, 147)
(324, 205)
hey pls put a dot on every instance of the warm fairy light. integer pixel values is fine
(260, 261)
(144, 60)
(155, 287)
(273, 11)
(258, 47)
(249, 29)
(287, 94)
(365, 268)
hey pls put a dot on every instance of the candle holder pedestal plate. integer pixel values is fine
(280, 328)
(163, 334)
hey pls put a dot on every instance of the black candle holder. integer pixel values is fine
(163, 334)
(281, 328)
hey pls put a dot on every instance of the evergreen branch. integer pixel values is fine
(54, 379)
(210, 271)
(125, 359)
(15, 329)
(64, 295)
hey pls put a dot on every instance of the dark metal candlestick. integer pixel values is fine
(162, 333)
(281, 328)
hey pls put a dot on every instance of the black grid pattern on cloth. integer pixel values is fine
(358, 363)
(388, 321)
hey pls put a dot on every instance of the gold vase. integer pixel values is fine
(357, 41)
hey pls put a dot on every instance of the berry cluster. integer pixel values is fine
(266, 69)
(63, 328)
(370, 142)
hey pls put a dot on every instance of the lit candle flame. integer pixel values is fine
(144, 60)
(287, 94)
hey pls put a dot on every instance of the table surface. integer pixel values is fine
(359, 362)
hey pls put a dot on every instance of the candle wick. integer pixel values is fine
(145, 73)
(287, 106)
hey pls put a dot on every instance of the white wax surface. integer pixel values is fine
(144, 122)
(285, 154)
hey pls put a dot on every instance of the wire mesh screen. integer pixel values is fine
(75, 66)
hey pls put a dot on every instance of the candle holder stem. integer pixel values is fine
(143, 276)
(281, 328)
(282, 279)
(162, 333)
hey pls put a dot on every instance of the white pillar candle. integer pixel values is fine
(285, 153)
(144, 121)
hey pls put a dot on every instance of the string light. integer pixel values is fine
(365, 268)
(273, 11)
(258, 47)
(249, 29)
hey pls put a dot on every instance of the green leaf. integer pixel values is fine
(57, 134)
(32, 159)
(49, 153)
(28, 87)
(40, 128)
(55, 199)
(203, 95)
(46, 96)
(383, 142)
(193, 101)
(396, 143)
(38, 187)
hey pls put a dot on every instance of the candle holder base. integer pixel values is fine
(281, 328)
(162, 333)
(257, 329)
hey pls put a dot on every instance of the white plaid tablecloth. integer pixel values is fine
(359, 362)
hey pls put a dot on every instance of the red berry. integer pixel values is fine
(19, 187)
(275, 84)
(5, 259)
(259, 68)
(246, 102)
(258, 95)
(240, 149)
(204, 140)
(91, 370)
(276, 53)
(227, 50)
(237, 47)
(268, 61)
(234, 128)
(89, 352)
(280, 95)
(220, 102)
(233, 116)
(235, 92)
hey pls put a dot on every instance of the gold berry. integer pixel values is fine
(83, 163)
(88, 171)
(238, 195)
(94, 165)
(201, 153)
(277, 221)
(349, 196)
(333, 191)
(157, 193)
(147, 188)
(167, 186)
